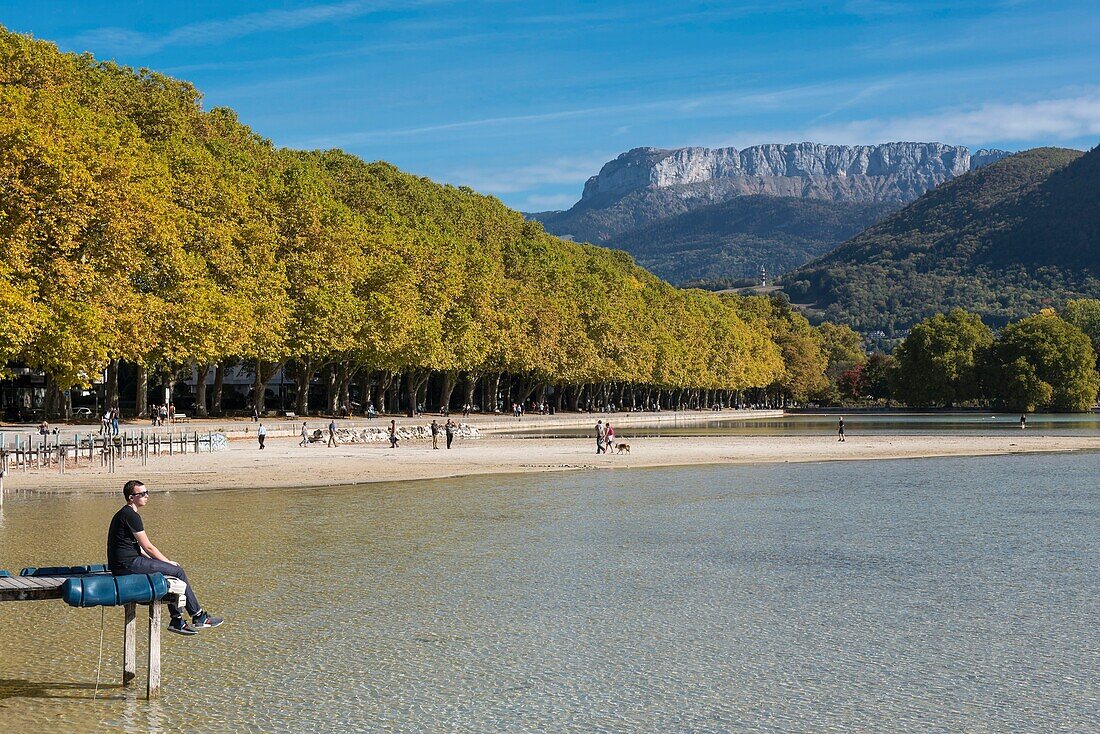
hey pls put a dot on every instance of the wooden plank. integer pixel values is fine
(28, 588)
(29, 594)
(152, 689)
(31, 582)
(129, 643)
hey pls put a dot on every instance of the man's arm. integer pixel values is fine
(149, 549)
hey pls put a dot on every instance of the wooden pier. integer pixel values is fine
(40, 588)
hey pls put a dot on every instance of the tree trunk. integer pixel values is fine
(332, 390)
(382, 389)
(574, 398)
(302, 377)
(259, 385)
(141, 397)
(258, 388)
(219, 387)
(201, 372)
(112, 384)
(393, 394)
(414, 380)
(343, 387)
(471, 385)
(494, 390)
(449, 380)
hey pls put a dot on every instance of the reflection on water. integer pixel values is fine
(806, 424)
(933, 595)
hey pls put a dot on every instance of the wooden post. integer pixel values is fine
(152, 689)
(129, 644)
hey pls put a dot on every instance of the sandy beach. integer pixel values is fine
(284, 464)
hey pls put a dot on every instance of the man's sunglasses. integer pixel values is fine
(140, 494)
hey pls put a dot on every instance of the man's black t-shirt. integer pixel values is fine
(122, 546)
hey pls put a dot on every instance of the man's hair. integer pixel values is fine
(130, 488)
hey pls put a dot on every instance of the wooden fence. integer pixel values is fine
(27, 452)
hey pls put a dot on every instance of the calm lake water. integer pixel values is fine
(805, 424)
(947, 595)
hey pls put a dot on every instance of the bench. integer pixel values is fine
(291, 415)
(181, 418)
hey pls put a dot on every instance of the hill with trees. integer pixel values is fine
(1002, 242)
(733, 239)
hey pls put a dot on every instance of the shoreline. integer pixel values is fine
(285, 465)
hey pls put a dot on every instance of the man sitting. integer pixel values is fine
(130, 551)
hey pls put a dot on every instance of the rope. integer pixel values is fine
(99, 665)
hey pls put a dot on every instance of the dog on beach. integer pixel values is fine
(622, 448)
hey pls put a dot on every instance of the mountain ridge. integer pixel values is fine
(645, 198)
(1002, 241)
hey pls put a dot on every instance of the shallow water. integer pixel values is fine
(939, 595)
(815, 424)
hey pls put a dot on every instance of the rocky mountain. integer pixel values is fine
(1004, 241)
(648, 185)
(716, 245)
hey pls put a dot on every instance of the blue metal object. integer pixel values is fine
(108, 591)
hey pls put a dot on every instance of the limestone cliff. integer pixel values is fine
(867, 173)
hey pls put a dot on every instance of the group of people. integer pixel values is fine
(449, 429)
(605, 437)
(158, 414)
(108, 422)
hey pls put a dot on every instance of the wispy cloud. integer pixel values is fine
(670, 107)
(537, 203)
(571, 170)
(217, 31)
(1062, 118)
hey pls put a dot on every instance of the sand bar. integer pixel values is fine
(284, 464)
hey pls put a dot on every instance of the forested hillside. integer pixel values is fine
(137, 226)
(733, 239)
(1002, 241)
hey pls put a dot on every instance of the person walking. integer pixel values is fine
(393, 433)
(1023, 422)
(255, 414)
(114, 421)
(129, 551)
(305, 436)
(601, 437)
(261, 434)
(610, 443)
(449, 429)
(435, 434)
(840, 429)
(332, 433)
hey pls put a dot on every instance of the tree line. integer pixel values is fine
(1047, 361)
(138, 228)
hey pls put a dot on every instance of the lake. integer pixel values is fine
(941, 595)
(728, 423)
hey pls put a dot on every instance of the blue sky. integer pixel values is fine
(525, 100)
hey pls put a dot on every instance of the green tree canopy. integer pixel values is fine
(1043, 362)
(937, 362)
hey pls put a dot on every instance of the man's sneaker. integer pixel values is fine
(204, 620)
(180, 627)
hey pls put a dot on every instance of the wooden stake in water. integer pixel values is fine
(129, 644)
(152, 689)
